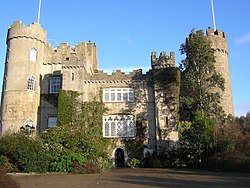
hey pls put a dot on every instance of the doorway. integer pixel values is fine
(119, 158)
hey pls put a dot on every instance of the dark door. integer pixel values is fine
(119, 158)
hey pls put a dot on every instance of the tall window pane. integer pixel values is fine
(119, 126)
(55, 84)
(118, 95)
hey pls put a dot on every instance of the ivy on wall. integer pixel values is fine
(136, 146)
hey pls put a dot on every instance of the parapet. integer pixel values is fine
(163, 60)
(33, 31)
(82, 53)
(212, 32)
(117, 75)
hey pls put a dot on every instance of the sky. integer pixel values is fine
(127, 31)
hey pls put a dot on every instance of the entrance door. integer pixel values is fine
(119, 158)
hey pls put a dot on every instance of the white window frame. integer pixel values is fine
(118, 95)
(52, 121)
(31, 83)
(33, 55)
(54, 84)
(119, 126)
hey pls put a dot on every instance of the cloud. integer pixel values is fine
(243, 40)
(242, 108)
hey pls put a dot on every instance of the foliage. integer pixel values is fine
(62, 141)
(231, 147)
(132, 163)
(67, 107)
(136, 146)
(183, 126)
(195, 145)
(79, 133)
(7, 165)
(64, 163)
(200, 83)
(165, 77)
(23, 153)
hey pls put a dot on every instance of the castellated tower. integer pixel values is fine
(21, 85)
(219, 44)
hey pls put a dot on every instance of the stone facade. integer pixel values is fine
(219, 44)
(35, 71)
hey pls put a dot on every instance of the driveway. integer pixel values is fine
(130, 178)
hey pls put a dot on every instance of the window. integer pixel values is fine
(118, 95)
(52, 121)
(55, 84)
(32, 55)
(31, 83)
(119, 126)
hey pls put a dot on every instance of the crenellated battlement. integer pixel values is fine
(118, 75)
(83, 54)
(163, 60)
(212, 32)
(33, 31)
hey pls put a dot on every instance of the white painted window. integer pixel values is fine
(31, 83)
(33, 55)
(55, 84)
(118, 95)
(119, 126)
(52, 121)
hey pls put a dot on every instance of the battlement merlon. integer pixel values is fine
(33, 31)
(163, 60)
(117, 75)
(212, 32)
(217, 38)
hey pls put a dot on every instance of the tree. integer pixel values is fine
(199, 100)
(200, 83)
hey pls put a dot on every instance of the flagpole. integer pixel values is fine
(212, 7)
(39, 11)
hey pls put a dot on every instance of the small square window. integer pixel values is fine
(52, 121)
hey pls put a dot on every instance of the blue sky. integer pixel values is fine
(127, 31)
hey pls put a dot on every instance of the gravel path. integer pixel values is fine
(129, 178)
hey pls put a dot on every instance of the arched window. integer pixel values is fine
(32, 55)
(31, 83)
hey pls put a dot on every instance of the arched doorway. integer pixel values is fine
(119, 158)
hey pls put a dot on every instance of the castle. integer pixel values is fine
(35, 71)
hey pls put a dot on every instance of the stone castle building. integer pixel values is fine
(35, 71)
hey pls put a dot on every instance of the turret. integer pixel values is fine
(21, 83)
(219, 44)
(163, 60)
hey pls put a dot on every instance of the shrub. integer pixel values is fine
(25, 153)
(132, 163)
(91, 167)
(7, 165)
(66, 163)
(105, 163)
(87, 168)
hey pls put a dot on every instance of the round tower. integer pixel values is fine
(21, 83)
(219, 44)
